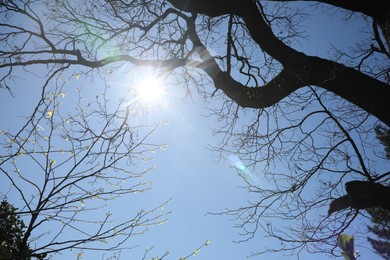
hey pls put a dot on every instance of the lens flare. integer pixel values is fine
(149, 91)
(243, 170)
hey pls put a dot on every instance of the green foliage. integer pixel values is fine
(381, 228)
(11, 234)
(383, 136)
(381, 217)
(346, 243)
(196, 251)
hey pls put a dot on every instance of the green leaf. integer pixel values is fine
(346, 243)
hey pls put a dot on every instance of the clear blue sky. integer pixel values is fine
(187, 172)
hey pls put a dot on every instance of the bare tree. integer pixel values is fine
(305, 163)
(68, 162)
(315, 116)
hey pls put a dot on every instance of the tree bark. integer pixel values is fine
(362, 195)
(299, 70)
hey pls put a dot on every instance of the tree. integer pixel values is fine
(380, 217)
(380, 220)
(383, 135)
(12, 232)
(279, 106)
(69, 160)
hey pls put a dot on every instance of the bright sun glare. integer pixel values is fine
(149, 91)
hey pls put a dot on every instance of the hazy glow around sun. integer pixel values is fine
(149, 90)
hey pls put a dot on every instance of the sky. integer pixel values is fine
(187, 172)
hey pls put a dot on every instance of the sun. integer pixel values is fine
(149, 91)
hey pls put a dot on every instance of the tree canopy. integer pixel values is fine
(12, 233)
(380, 228)
(305, 123)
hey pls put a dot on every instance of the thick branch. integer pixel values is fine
(171, 63)
(379, 10)
(257, 27)
(299, 70)
(362, 195)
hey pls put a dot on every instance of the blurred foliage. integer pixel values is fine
(346, 243)
(383, 135)
(381, 228)
(381, 217)
(11, 234)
